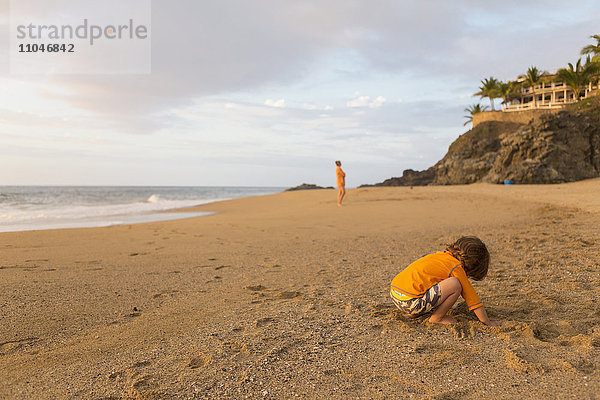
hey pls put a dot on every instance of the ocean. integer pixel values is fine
(25, 208)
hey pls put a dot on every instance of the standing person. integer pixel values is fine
(341, 182)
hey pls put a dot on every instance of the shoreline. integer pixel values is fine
(67, 208)
(287, 293)
(552, 193)
(160, 216)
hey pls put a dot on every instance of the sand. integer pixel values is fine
(286, 296)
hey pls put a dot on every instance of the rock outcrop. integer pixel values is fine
(307, 186)
(410, 177)
(558, 148)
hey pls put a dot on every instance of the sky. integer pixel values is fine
(272, 92)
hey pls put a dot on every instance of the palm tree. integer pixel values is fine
(532, 78)
(579, 76)
(509, 91)
(489, 88)
(593, 49)
(472, 110)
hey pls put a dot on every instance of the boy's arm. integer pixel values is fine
(483, 317)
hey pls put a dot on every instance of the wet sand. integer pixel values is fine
(286, 296)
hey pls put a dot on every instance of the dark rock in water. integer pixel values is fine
(561, 147)
(307, 186)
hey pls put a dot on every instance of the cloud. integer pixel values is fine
(365, 101)
(277, 103)
(202, 49)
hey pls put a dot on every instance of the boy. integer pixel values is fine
(435, 281)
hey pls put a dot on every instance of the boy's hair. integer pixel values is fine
(338, 163)
(473, 255)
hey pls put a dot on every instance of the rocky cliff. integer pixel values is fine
(563, 147)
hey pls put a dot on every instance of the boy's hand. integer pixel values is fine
(483, 317)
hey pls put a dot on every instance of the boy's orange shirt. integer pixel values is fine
(430, 270)
(341, 177)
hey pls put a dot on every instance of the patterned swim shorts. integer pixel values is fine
(419, 305)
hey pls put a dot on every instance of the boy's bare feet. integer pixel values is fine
(445, 320)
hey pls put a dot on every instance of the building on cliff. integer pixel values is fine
(549, 95)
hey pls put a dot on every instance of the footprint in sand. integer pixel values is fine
(216, 279)
(515, 359)
(586, 243)
(462, 330)
(140, 364)
(139, 386)
(235, 348)
(288, 295)
(143, 387)
(271, 266)
(135, 313)
(381, 310)
(199, 361)
(263, 321)
(584, 366)
(255, 288)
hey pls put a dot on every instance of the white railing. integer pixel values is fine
(554, 86)
(540, 106)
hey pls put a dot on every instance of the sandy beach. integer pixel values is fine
(286, 296)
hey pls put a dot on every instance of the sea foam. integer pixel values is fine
(33, 208)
